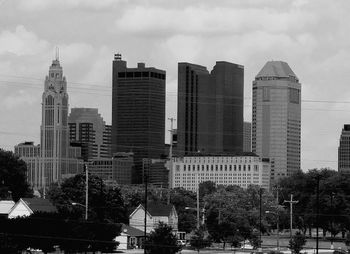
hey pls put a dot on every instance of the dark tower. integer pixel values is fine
(210, 109)
(138, 112)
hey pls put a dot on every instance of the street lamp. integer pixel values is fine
(278, 227)
(78, 204)
(198, 210)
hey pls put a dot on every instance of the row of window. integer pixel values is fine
(218, 167)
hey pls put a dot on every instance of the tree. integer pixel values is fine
(206, 188)
(297, 242)
(162, 241)
(13, 177)
(198, 240)
(104, 204)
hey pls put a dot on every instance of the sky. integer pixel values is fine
(311, 36)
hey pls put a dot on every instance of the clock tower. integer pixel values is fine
(54, 126)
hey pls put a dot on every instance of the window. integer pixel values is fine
(293, 95)
(266, 93)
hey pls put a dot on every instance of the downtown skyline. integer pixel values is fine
(314, 46)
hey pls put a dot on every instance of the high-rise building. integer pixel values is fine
(247, 137)
(344, 150)
(86, 126)
(210, 109)
(138, 112)
(54, 159)
(277, 118)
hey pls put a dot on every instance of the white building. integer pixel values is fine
(156, 213)
(276, 114)
(187, 172)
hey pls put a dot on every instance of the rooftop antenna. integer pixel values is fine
(57, 54)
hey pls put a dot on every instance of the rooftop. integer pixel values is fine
(5, 206)
(276, 69)
(40, 205)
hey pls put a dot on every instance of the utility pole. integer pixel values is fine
(291, 203)
(145, 226)
(198, 222)
(260, 198)
(86, 190)
(170, 156)
(318, 210)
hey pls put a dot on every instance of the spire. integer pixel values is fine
(57, 54)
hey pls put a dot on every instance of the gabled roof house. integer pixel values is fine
(27, 206)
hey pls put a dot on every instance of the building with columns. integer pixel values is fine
(188, 171)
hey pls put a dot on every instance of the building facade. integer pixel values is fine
(210, 109)
(344, 150)
(30, 154)
(138, 112)
(56, 159)
(87, 127)
(113, 171)
(247, 137)
(188, 171)
(276, 123)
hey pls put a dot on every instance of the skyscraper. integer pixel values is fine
(277, 118)
(210, 109)
(87, 127)
(247, 137)
(54, 140)
(344, 150)
(138, 112)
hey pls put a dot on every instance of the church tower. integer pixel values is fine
(54, 127)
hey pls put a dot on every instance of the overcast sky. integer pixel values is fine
(312, 36)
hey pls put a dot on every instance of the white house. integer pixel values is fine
(5, 207)
(27, 206)
(155, 213)
(129, 238)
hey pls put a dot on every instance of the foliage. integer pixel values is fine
(44, 231)
(162, 241)
(297, 242)
(199, 240)
(206, 188)
(104, 204)
(13, 179)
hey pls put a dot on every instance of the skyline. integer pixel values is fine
(309, 36)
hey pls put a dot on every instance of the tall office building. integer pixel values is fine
(56, 162)
(277, 118)
(247, 137)
(344, 150)
(210, 109)
(87, 128)
(138, 112)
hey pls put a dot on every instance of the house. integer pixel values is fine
(156, 213)
(27, 206)
(129, 238)
(5, 207)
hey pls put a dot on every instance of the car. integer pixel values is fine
(181, 242)
(247, 246)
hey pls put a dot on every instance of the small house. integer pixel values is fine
(156, 213)
(27, 206)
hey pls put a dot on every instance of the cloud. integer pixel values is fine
(20, 98)
(217, 21)
(21, 42)
(41, 5)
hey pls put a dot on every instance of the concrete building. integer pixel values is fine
(188, 171)
(276, 123)
(344, 150)
(54, 138)
(138, 112)
(55, 159)
(115, 170)
(87, 127)
(247, 137)
(156, 172)
(30, 154)
(210, 109)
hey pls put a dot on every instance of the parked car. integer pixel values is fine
(181, 242)
(247, 246)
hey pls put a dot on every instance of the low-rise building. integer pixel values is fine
(155, 213)
(188, 171)
(27, 206)
(5, 207)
